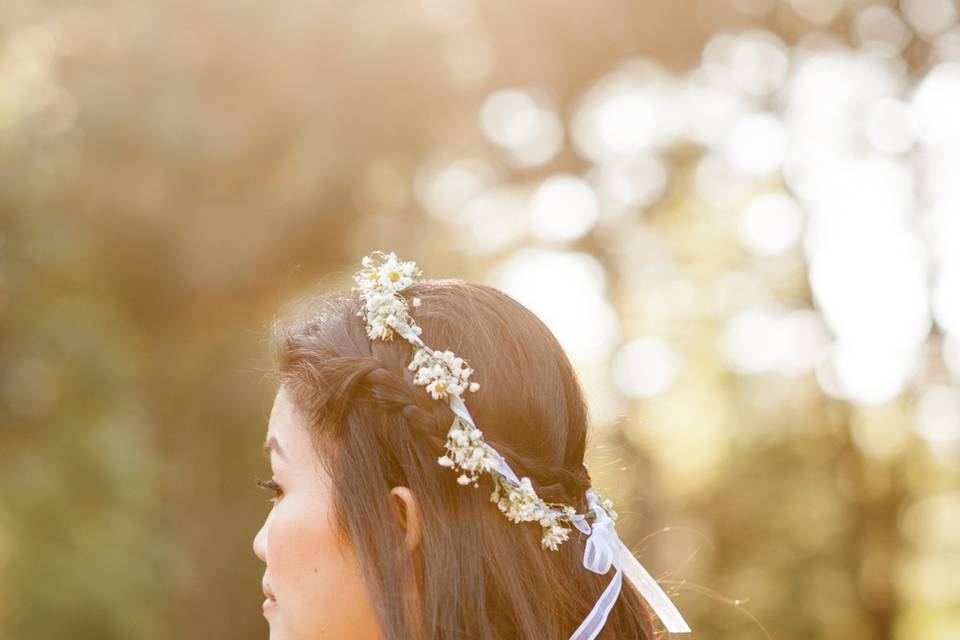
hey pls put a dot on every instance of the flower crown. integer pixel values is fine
(447, 377)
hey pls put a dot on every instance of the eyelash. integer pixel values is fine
(271, 485)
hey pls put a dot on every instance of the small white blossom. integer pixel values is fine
(467, 452)
(391, 274)
(441, 372)
(553, 536)
(607, 506)
(522, 503)
(379, 285)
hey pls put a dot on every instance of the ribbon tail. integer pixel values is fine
(654, 595)
(597, 617)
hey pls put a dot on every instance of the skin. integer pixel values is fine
(314, 577)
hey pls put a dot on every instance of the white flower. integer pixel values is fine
(441, 372)
(607, 506)
(384, 313)
(522, 503)
(467, 452)
(385, 272)
(553, 536)
(379, 283)
(395, 275)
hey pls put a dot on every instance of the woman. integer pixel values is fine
(368, 536)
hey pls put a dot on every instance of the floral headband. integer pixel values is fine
(447, 377)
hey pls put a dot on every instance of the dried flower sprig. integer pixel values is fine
(467, 453)
(442, 373)
(379, 282)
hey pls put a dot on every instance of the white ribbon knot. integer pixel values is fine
(603, 549)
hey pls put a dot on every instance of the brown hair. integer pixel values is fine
(477, 575)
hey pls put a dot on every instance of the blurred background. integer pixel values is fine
(754, 205)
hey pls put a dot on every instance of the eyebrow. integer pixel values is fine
(271, 444)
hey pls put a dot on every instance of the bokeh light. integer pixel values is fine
(550, 282)
(524, 126)
(645, 367)
(564, 207)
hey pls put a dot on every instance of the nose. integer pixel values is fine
(260, 541)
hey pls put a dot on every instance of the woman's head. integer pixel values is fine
(310, 572)
(382, 533)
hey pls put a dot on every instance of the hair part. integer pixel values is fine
(475, 575)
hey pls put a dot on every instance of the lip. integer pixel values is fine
(267, 591)
(268, 605)
(271, 600)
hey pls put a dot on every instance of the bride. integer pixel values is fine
(399, 513)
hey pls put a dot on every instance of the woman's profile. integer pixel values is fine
(427, 447)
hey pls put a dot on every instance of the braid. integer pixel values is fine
(568, 486)
(392, 392)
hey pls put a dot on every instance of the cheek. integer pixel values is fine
(319, 590)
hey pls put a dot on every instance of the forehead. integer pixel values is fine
(282, 428)
(283, 410)
(289, 437)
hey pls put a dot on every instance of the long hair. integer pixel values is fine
(476, 574)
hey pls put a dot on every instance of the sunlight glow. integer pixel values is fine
(566, 289)
(564, 207)
(524, 125)
(645, 367)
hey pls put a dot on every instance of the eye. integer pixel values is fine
(271, 485)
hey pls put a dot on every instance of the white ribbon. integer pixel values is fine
(603, 549)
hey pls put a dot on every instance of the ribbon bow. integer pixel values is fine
(605, 549)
